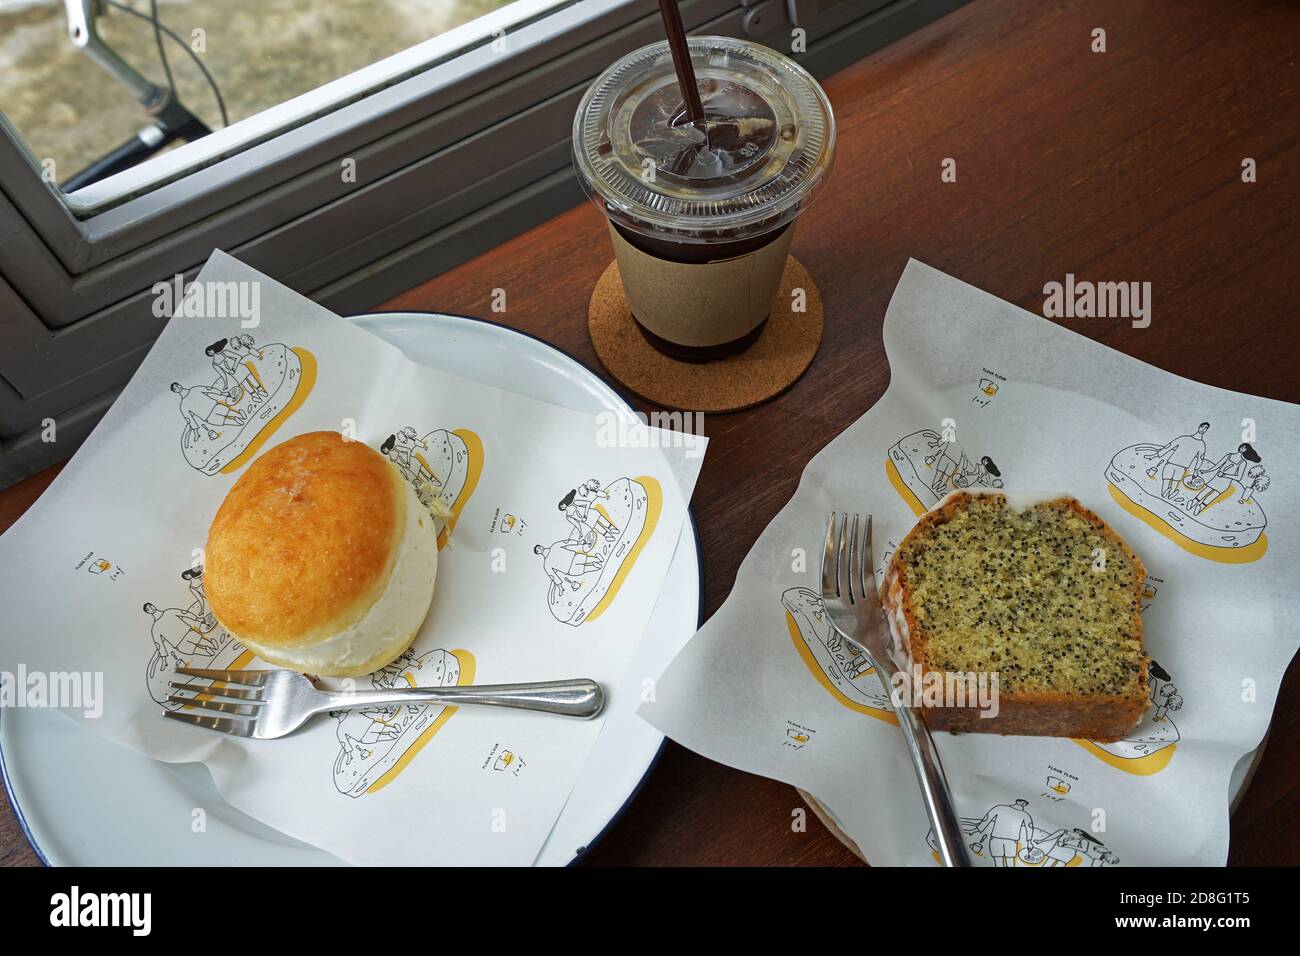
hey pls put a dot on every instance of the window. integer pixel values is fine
(94, 86)
(456, 137)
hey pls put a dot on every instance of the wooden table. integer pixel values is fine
(1123, 165)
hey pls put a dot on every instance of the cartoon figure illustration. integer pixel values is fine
(925, 466)
(178, 632)
(237, 373)
(193, 577)
(203, 406)
(1004, 827)
(1008, 836)
(607, 528)
(1207, 507)
(443, 466)
(1062, 847)
(377, 743)
(1233, 469)
(844, 673)
(1150, 747)
(587, 521)
(1164, 695)
(187, 637)
(1181, 457)
(566, 566)
(254, 391)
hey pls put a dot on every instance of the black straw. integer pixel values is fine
(682, 60)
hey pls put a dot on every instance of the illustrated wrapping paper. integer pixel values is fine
(562, 528)
(1202, 483)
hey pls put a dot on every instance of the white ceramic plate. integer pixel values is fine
(84, 801)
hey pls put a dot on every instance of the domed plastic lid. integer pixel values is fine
(764, 149)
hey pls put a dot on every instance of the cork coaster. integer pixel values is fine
(764, 370)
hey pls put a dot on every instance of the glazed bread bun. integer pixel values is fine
(321, 558)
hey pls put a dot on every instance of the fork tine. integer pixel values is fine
(239, 692)
(220, 706)
(851, 572)
(253, 678)
(842, 559)
(828, 557)
(867, 567)
(225, 725)
(869, 570)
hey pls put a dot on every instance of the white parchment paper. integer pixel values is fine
(103, 575)
(986, 395)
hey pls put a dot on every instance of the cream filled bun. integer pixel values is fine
(321, 558)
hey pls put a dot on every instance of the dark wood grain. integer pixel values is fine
(1116, 166)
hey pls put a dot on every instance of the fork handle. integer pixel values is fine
(934, 787)
(569, 698)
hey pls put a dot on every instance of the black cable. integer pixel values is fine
(157, 37)
(216, 90)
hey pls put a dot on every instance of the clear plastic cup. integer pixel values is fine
(702, 215)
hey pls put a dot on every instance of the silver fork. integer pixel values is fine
(853, 605)
(272, 703)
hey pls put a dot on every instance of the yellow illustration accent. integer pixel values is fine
(904, 492)
(654, 504)
(1251, 552)
(238, 664)
(252, 370)
(1138, 766)
(474, 468)
(466, 677)
(1224, 494)
(306, 383)
(810, 662)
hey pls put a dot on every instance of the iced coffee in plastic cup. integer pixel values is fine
(702, 214)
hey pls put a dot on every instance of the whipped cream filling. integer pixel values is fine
(394, 616)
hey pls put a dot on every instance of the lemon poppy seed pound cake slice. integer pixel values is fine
(1039, 591)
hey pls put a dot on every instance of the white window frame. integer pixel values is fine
(453, 52)
(451, 160)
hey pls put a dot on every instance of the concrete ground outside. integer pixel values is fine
(261, 52)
